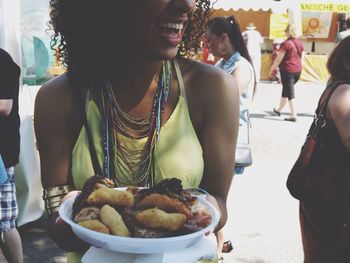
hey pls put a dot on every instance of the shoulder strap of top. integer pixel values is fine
(84, 100)
(295, 47)
(180, 79)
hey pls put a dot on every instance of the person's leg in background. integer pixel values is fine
(282, 104)
(285, 92)
(12, 246)
(2, 257)
(292, 109)
(292, 80)
(288, 81)
(11, 243)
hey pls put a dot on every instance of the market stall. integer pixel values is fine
(270, 18)
(320, 28)
(317, 23)
(258, 12)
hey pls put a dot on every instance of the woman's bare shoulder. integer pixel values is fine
(209, 89)
(339, 103)
(53, 90)
(55, 106)
(54, 97)
(206, 78)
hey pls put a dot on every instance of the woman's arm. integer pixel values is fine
(55, 126)
(52, 134)
(243, 75)
(277, 61)
(218, 135)
(339, 110)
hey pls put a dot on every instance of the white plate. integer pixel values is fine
(133, 244)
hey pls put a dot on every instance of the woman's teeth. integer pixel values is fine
(173, 26)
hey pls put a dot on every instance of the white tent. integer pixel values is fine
(27, 172)
(10, 28)
(274, 6)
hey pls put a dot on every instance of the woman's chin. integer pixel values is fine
(159, 53)
(168, 54)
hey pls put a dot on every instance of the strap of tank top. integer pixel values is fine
(84, 103)
(180, 79)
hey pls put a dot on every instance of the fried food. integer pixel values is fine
(164, 210)
(114, 221)
(87, 213)
(95, 225)
(111, 197)
(93, 183)
(165, 203)
(168, 186)
(156, 218)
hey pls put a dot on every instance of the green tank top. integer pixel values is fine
(178, 152)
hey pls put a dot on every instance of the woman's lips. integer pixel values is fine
(170, 36)
(170, 32)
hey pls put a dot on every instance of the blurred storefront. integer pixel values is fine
(317, 21)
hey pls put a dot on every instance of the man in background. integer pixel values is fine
(10, 240)
(253, 40)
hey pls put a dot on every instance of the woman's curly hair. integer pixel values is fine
(79, 39)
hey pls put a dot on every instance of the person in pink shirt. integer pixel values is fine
(289, 62)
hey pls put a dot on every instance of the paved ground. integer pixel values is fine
(263, 223)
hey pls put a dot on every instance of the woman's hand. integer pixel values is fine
(62, 233)
(272, 72)
(219, 234)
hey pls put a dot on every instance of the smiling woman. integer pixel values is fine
(131, 107)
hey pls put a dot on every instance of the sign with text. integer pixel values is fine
(325, 7)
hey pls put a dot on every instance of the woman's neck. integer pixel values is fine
(135, 85)
(137, 75)
(229, 52)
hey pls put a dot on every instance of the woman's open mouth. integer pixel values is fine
(171, 32)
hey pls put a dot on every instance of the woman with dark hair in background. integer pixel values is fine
(225, 41)
(325, 223)
(126, 61)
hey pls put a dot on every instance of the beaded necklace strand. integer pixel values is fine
(139, 164)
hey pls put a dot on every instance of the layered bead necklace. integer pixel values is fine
(137, 163)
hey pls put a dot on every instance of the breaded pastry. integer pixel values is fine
(156, 218)
(114, 221)
(95, 225)
(93, 183)
(164, 203)
(87, 213)
(111, 196)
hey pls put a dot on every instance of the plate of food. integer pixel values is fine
(139, 220)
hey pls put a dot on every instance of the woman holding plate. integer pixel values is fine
(149, 112)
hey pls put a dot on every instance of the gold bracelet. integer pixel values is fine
(57, 191)
(51, 206)
(50, 211)
(53, 196)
